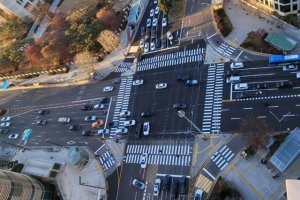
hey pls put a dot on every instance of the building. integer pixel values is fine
(21, 186)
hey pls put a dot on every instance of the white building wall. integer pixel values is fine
(17, 7)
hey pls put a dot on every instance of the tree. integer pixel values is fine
(108, 17)
(85, 60)
(109, 40)
(254, 130)
(164, 6)
(60, 22)
(14, 29)
(40, 10)
(33, 54)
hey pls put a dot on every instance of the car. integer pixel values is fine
(158, 43)
(164, 21)
(146, 49)
(182, 182)
(5, 119)
(108, 89)
(146, 128)
(144, 160)
(161, 86)
(148, 22)
(148, 32)
(156, 10)
(138, 129)
(260, 86)
(298, 75)
(74, 127)
(151, 12)
(87, 107)
(192, 82)
(236, 65)
(182, 78)
(155, 1)
(290, 68)
(138, 82)
(179, 105)
(3, 131)
(129, 123)
(154, 22)
(241, 86)
(243, 95)
(90, 118)
(198, 194)
(5, 124)
(41, 122)
(153, 33)
(169, 35)
(142, 31)
(139, 57)
(43, 112)
(13, 136)
(125, 114)
(105, 100)
(98, 106)
(166, 183)
(174, 190)
(164, 43)
(98, 123)
(156, 187)
(147, 114)
(138, 184)
(117, 81)
(113, 124)
(231, 73)
(142, 43)
(103, 131)
(87, 133)
(152, 46)
(283, 84)
(122, 131)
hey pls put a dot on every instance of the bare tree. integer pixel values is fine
(85, 61)
(254, 130)
(109, 40)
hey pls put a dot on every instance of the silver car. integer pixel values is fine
(290, 68)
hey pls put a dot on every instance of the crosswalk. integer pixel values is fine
(9, 151)
(122, 103)
(106, 160)
(176, 58)
(159, 154)
(222, 157)
(225, 49)
(123, 67)
(213, 100)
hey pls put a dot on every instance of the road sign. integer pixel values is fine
(5, 85)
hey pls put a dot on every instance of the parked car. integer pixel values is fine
(156, 187)
(147, 114)
(182, 182)
(166, 182)
(146, 49)
(179, 105)
(108, 89)
(153, 34)
(146, 128)
(164, 43)
(154, 22)
(161, 86)
(156, 10)
(158, 43)
(13, 136)
(152, 46)
(144, 160)
(241, 86)
(260, 86)
(125, 114)
(43, 112)
(122, 131)
(41, 122)
(155, 1)
(290, 68)
(5, 124)
(148, 32)
(5, 119)
(243, 95)
(142, 43)
(236, 65)
(138, 82)
(74, 127)
(169, 35)
(164, 21)
(86, 107)
(138, 130)
(148, 22)
(138, 184)
(151, 12)
(142, 31)
(283, 84)
(198, 194)
(174, 190)
(129, 123)
(90, 118)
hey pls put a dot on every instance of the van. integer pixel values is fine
(233, 79)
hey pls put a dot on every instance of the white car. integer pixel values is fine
(138, 82)
(13, 136)
(290, 68)
(236, 65)
(146, 49)
(148, 22)
(241, 86)
(155, 1)
(108, 89)
(129, 123)
(98, 106)
(152, 46)
(198, 194)
(122, 131)
(5, 119)
(156, 10)
(142, 43)
(164, 21)
(138, 184)
(154, 22)
(125, 114)
(156, 187)
(169, 35)
(151, 12)
(146, 128)
(103, 131)
(161, 86)
(5, 124)
(144, 160)
(90, 118)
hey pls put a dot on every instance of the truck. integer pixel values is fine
(64, 120)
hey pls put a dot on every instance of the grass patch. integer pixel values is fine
(223, 23)
(176, 12)
(222, 190)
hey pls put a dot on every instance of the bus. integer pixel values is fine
(279, 60)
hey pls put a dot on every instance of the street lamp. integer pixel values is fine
(279, 120)
(181, 114)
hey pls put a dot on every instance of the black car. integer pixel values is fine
(74, 127)
(158, 43)
(283, 84)
(262, 86)
(174, 189)
(138, 130)
(182, 185)
(41, 122)
(182, 78)
(166, 182)
(87, 107)
(147, 114)
(231, 73)
(105, 100)
(87, 133)
(3, 131)
(243, 95)
(117, 81)
(164, 43)
(153, 34)
(148, 32)
(143, 31)
(44, 112)
(179, 105)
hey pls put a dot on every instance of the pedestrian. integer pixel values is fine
(217, 42)
(51, 157)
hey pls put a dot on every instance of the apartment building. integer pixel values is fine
(20, 8)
